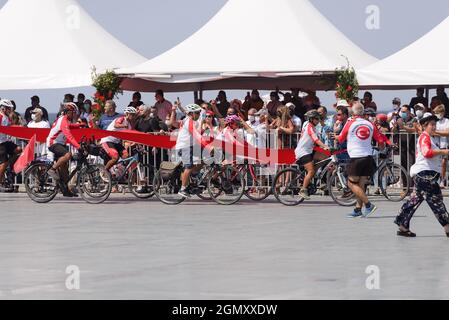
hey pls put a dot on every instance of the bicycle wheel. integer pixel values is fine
(394, 182)
(226, 185)
(40, 187)
(258, 186)
(94, 183)
(286, 186)
(166, 188)
(140, 181)
(339, 190)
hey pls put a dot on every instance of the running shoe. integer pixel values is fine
(184, 193)
(305, 194)
(369, 211)
(354, 214)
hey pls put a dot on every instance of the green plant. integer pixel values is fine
(347, 86)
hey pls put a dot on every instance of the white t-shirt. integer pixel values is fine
(359, 133)
(185, 138)
(442, 125)
(39, 125)
(4, 122)
(307, 141)
(425, 159)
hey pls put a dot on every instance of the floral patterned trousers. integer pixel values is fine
(426, 188)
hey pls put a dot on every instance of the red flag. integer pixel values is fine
(26, 157)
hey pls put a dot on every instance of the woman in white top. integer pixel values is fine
(37, 122)
(426, 173)
(441, 136)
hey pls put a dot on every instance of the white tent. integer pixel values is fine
(54, 44)
(423, 63)
(252, 43)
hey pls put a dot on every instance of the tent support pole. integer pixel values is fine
(427, 96)
(195, 96)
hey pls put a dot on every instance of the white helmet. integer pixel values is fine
(4, 103)
(192, 108)
(130, 110)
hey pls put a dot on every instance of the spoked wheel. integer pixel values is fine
(286, 186)
(394, 182)
(40, 187)
(226, 185)
(140, 181)
(166, 188)
(258, 186)
(204, 194)
(337, 185)
(94, 184)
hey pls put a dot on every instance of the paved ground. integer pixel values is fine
(134, 249)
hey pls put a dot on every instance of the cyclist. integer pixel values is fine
(113, 146)
(9, 151)
(60, 134)
(304, 149)
(189, 130)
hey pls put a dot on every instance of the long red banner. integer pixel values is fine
(266, 156)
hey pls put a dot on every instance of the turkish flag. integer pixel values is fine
(26, 157)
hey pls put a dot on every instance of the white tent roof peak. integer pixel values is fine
(425, 62)
(54, 44)
(259, 36)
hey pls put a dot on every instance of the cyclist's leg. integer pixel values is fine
(112, 152)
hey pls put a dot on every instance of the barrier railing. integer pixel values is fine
(404, 155)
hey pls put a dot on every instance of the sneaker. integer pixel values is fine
(354, 214)
(369, 211)
(184, 193)
(305, 194)
(54, 174)
(142, 190)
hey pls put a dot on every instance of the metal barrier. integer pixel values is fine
(405, 155)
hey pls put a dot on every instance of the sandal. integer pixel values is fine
(407, 234)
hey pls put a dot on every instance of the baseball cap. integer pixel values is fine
(262, 112)
(342, 103)
(37, 110)
(396, 100)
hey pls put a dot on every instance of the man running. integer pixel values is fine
(359, 133)
(9, 151)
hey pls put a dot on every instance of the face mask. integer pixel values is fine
(395, 107)
(151, 115)
(440, 116)
(419, 114)
(372, 119)
(404, 115)
(168, 122)
(257, 119)
(252, 118)
(33, 117)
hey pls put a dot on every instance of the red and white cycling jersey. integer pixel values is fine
(4, 122)
(307, 141)
(187, 130)
(425, 158)
(60, 133)
(121, 121)
(360, 133)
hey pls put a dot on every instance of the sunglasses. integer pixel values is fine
(209, 117)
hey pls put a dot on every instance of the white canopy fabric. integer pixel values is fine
(252, 43)
(424, 63)
(50, 44)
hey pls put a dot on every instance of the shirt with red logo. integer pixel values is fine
(426, 160)
(359, 133)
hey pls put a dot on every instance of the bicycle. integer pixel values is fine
(94, 182)
(138, 177)
(288, 182)
(258, 184)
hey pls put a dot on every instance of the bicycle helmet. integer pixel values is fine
(382, 117)
(130, 110)
(313, 114)
(4, 103)
(232, 119)
(192, 108)
(70, 106)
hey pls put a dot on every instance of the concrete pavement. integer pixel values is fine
(132, 249)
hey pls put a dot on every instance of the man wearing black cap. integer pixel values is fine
(35, 104)
(426, 174)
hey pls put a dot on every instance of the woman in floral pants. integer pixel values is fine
(426, 174)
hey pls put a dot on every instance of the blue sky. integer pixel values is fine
(151, 27)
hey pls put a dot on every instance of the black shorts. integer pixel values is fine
(114, 150)
(361, 167)
(59, 150)
(7, 150)
(305, 159)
